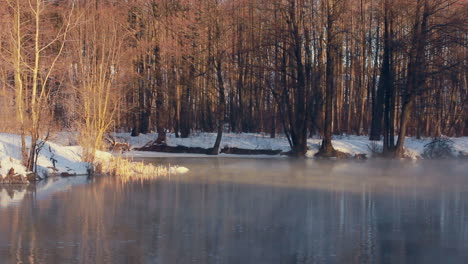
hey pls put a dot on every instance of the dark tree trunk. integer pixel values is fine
(160, 117)
(273, 120)
(405, 115)
(221, 107)
(384, 82)
(415, 73)
(144, 121)
(136, 125)
(185, 105)
(296, 103)
(32, 152)
(326, 149)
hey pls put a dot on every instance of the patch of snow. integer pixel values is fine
(178, 170)
(10, 154)
(135, 142)
(64, 138)
(66, 158)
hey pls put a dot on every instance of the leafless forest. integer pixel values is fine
(382, 68)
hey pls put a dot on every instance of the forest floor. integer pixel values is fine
(348, 144)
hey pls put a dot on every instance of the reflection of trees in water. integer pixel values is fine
(111, 221)
(20, 235)
(12, 189)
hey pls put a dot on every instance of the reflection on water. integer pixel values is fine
(250, 211)
(11, 195)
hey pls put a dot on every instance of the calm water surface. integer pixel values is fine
(245, 211)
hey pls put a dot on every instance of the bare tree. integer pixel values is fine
(37, 42)
(96, 70)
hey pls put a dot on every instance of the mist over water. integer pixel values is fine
(249, 211)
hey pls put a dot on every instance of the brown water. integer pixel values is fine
(245, 211)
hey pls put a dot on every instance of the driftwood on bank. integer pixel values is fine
(176, 149)
(115, 145)
(207, 151)
(241, 151)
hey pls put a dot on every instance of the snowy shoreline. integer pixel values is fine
(350, 144)
(62, 149)
(67, 159)
(57, 158)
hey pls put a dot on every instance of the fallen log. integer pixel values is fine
(66, 174)
(241, 151)
(207, 151)
(176, 149)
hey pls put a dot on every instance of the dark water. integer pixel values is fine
(246, 211)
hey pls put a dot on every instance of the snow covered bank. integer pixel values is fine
(52, 158)
(57, 159)
(348, 144)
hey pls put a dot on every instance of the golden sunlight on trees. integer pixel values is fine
(37, 37)
(297, 67)
(95, 73)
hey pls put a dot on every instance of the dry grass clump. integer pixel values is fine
(134, 171)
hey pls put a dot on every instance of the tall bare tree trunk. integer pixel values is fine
(221, 107)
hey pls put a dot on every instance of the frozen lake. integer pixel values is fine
(229, 210)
